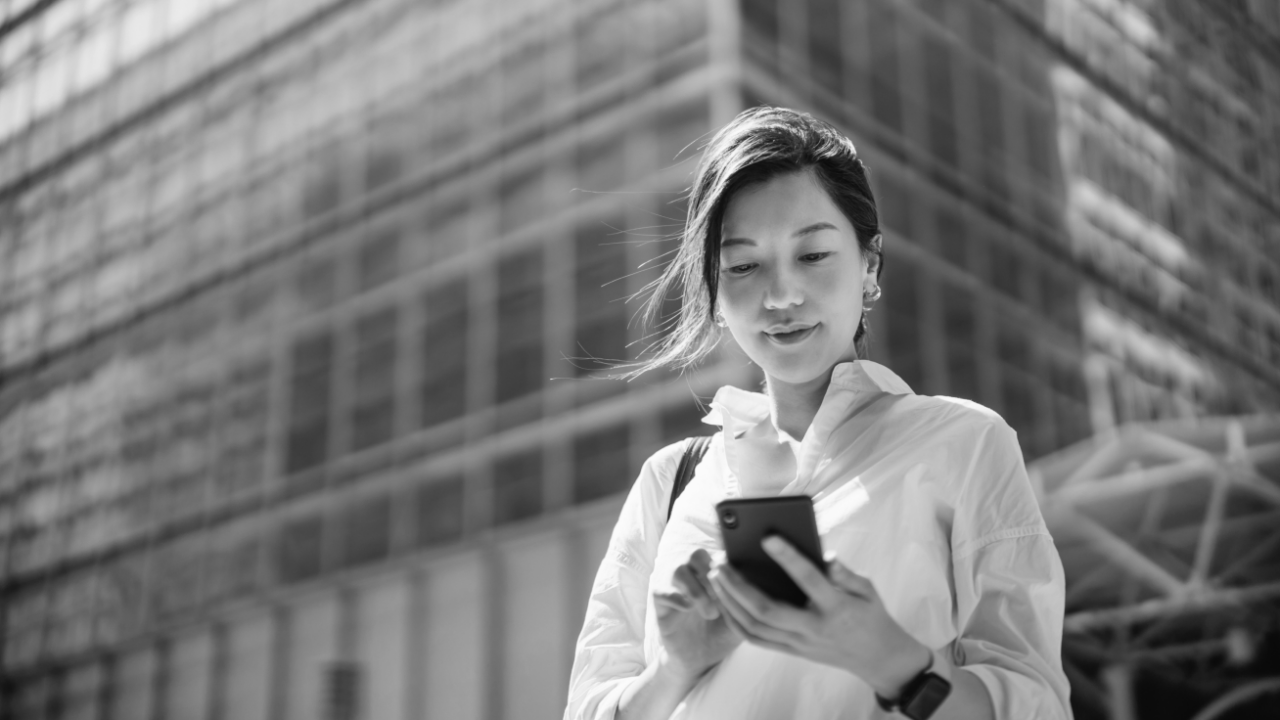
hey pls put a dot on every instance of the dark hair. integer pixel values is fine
(761, 143)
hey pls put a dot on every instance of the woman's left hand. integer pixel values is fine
(844, 625)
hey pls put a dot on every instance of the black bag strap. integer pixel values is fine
(693, 454)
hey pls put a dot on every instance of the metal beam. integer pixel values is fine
(1198, 601)
(1135, 482)
(1108, 451)
(1115, 549)
(1155, 442)
(1209, 531)
(1258, 485)
(1237, 697)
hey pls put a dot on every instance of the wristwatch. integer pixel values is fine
(922, 695)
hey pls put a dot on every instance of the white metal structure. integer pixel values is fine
(1170, 537)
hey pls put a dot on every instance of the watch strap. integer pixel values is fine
(922, 695)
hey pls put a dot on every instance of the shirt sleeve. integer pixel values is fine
(1010, 587)
(610, 649)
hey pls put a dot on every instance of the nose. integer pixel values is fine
(783, 290)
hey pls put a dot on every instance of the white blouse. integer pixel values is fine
(926, 496)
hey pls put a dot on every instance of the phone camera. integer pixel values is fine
(730, 519)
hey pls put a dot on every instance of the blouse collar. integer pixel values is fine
(851, 379)
(852, 385)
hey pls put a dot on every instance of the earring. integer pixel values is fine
(720, 321)
(871, 295)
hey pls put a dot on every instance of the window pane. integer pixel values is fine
(300, 549)
(825, 62)
(1011, 344)
(517, 487)
(520, 299)
(376, 353)
(600, 37)
(379, 259)
(761, 16)
(440, 511)
(519, 362)
(962, 371)
(519, 372)
(600, 342)
(524, 83)
(601, 165)
(309, 421)
(444, 398)
(447, 230)
(387, 141)
(899, 312)
(367, 532)
(952, 236)
(316, 284)
(958, 315)
(600, 261)
(941, 108)
(375, 371)
(372, 424)
(444, 339)
(893, 204)
(307, 446)
(601, 464)
(373, 412)
(310, 392)
(451, 114)
(1018, 401)
(682, 420)
(521, 200)
(322, 189)
(313, 352)
(1006, 269)
(886, 102)
(990, 113)
(678, 130)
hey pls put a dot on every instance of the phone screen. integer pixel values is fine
(745, 522)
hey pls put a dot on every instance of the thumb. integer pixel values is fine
(849, 580)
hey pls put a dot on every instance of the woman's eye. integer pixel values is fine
(740, 269)
(814, 257)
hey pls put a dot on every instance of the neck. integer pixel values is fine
(794, 405)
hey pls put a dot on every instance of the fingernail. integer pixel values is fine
(773, 542)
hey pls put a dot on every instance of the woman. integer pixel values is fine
(944, 592)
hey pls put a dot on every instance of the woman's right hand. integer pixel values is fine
(694, 633)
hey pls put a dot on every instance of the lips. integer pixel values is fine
(789, 334)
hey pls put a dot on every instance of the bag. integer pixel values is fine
(694, 451)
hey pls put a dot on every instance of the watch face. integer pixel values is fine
(928, 695)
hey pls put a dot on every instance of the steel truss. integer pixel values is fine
(1170, 538)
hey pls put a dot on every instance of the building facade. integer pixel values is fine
(303, 304)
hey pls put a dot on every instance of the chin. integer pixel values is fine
(799, 371)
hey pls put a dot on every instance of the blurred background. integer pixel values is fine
(300, 301)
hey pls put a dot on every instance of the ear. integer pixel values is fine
(871, 256)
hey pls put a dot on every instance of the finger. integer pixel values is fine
(746, 625)
(666, 602)
(804, 573)
(700, 564)
(686, 580)
(700, 560)
(850, 580)
(738, 624)
(762, 608)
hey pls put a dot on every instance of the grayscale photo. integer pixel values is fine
(639, 359)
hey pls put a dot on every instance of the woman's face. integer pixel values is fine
(791, 278)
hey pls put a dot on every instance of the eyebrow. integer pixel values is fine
(806, 230)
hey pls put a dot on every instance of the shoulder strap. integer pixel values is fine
(693, 454)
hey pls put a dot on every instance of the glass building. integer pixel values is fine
(303, 303)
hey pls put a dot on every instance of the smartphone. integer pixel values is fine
(745, 522)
